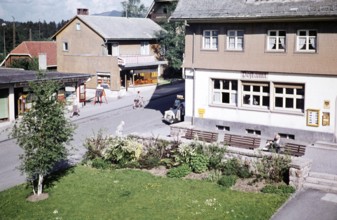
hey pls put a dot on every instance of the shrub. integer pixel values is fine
(227, 181)
(214, 175)
(274, 168)
(234, 167)
(281, 189)
(99, 163)
(149, 162)
(198, 163)
(95, 145)
(122, 151)
(180, 171)
(215, 154)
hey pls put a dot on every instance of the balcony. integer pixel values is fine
(136, 60)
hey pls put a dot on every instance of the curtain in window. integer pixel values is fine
(272, 42)
(301, 43)
(215, 42)
(312, 41)
(282, 42)
(207, 42)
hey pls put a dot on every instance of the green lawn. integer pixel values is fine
(86, 193)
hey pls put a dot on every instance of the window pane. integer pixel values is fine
(246, 99)
(272, 33)
(240, 43)
(300, 91)
(256, 100)
(265, 89)
(302, 33)
(225, 84)
(225, 97)
(240, 33)
(265, 101)
(234, 85)
(216, 84)
(216, 97)
(207, 33)
(279, 102)
(289, 103)
(312, 33)
(279, 90)
(300, 104)
(289, 91)
(256, 88)
(231, 33)
(246, 88)
(233, 98)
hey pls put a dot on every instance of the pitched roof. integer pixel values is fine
(34, 48)
(120, 28)
(253, 9)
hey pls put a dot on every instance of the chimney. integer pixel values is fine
(82, 11)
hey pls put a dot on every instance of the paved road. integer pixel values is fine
(106, 116)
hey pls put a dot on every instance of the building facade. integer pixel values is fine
(118, 51)
(262, 67)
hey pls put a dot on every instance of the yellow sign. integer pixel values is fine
(201, 112)
(313, 117)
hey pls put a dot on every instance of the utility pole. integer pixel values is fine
(13, 32)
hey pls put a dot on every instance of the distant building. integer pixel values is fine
(119, 51)
(261, 67)
(32, 49)
(159, 11)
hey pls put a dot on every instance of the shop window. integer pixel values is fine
(255, 94)
(225, 91)
(210, 40)
(289, 97)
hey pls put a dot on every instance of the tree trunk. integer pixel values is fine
(40, 185)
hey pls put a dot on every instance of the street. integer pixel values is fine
(105, 116)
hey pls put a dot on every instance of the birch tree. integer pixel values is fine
(42, 133)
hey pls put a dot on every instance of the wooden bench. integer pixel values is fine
(294, 149)
(206, 136)
(242, 141)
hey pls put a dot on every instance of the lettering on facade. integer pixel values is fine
(253, 75)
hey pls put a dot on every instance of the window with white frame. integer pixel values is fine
(306, 40)
(144, 48)
(115, 49)
(210, 40)
(65, 46)
(289, 97)
(225, 91)
(276, 40)
(235, 40)
(78, 26)
(255, 94)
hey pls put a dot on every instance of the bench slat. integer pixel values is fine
(242, 141)
(207, 136)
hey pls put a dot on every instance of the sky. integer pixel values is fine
(55, 10)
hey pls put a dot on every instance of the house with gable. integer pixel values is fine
(45, 51)
(261, 67)
(118, 51)
(160, 10)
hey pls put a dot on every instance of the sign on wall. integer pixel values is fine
(313, 117)
(326, 119)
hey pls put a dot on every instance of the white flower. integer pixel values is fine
(55, 211)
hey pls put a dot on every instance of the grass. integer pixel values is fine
(86, 193)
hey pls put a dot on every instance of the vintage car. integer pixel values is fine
(177, 112)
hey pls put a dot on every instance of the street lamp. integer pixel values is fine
(3, 27)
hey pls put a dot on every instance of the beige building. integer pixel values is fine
(262, 67)
(119, 52)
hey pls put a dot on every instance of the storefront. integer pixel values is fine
(15, 98)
